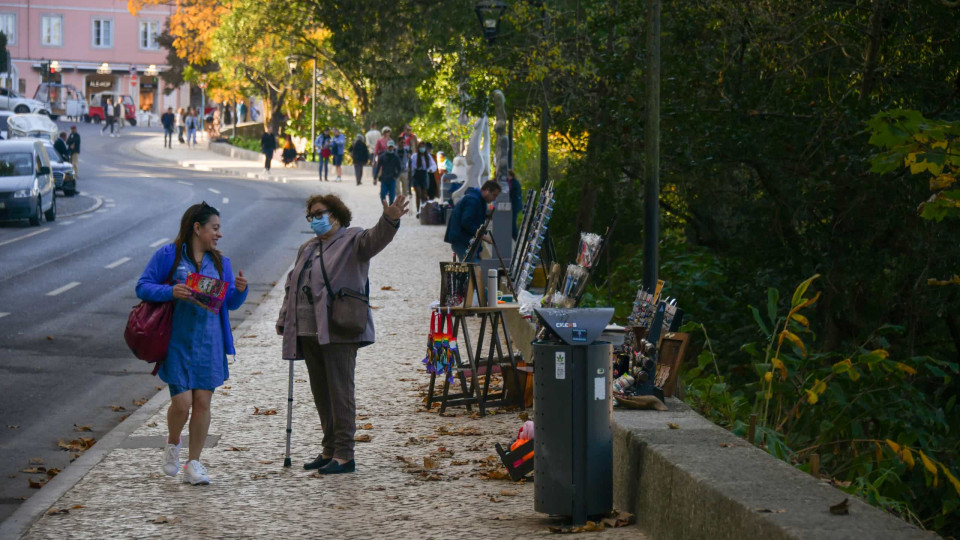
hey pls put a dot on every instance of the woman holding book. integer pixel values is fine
(311, 332)
(196, 362)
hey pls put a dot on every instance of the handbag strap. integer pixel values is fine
(326, 280)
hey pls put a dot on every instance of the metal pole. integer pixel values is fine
(545, 113)
(510, 139)
(313, 111)
(203, 107)
(286, 459)
(651, 225)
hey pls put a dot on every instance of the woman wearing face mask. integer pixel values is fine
(423, 166)
(196, 362)
(343, 255)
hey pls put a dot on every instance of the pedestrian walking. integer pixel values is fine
(337, 259)
(108, 118)
(289, 153)
(321, 147)
(387, 170)
(193, 126)
(119, 113)
(196, 362)
(406, 146)
(73, 144)
(372, 136)
(242, 110)
(422, 168)
(360, 155)
(268, 145)
(180, 119)
(338, 144)
(380, 148)
(168, 121)
(468, 216)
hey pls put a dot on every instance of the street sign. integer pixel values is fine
(133, 80)
(202, 85)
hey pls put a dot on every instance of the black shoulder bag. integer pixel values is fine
(348, 308)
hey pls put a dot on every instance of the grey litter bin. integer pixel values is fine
(573, 440)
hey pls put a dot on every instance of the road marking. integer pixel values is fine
(102, 211)
(117, 263)
(108, 200)
(85, 216)
(226, 200)
(109, 205)
(284, 180)
(63, 289)
(159, 242)
(28, 235)
(211, 190)
(65, 222)
(2, 315)
(84, 193)
(184, 183)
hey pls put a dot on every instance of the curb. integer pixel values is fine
(36, 506)
(94, 208)
(217, 170)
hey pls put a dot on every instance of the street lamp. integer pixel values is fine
(151, 71)
(489, 12)
(104, 69)
(292, 64)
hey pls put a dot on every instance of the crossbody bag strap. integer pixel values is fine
(326, 280)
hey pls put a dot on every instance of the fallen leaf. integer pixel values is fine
(460, 462)
(226, 387)
(524, 416)
(49, 338)
(494, 499)
(237, 449)
(77, 507)
(367, 426)
(34, 470)
(770, 511)
(117, 408)
(387, 288)
(82, 428)
(509, 492)
(618, 519)
(363, 438)
(36, 461)
(264, 462)
(10, 426)
(163, 519)
(55, 511)
(498, 474)
(430, 463)
(152, 424)
(378, 488)
(726, 445)
(250, 336)
(299, 380)
(36, 484)
(159, 388)
(842, 508)
(51, 472)
(363, 416)
(264, 412)
(376, 307)
(77, 445)
(671, 425)
(392, 497)
(257, 373)
(140, 402)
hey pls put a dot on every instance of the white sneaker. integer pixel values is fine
(195, 473)
(171, 459)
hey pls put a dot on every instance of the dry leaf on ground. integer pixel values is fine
(140, 402)
(387, 288)
(363, 438)
(118, 408)
(264, 412)
(430, 463)
(671, 425)
(82, 428)
(163, 519)
(77, 445)
(842, 508)
(36, 484)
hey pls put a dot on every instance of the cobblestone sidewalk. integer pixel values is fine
(390, 496)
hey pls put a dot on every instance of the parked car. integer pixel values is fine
(62, 100)
(12, 101)
(96, 107)
(38, 126)
(26, 185)
(4, 116)
(64, 177)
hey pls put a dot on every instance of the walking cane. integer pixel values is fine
(286, 460)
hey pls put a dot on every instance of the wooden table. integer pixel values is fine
(497, 339)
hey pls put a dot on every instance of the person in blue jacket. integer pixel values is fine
(468, 216)
(196, 362)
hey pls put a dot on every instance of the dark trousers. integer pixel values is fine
(267, 158)
(168, 137)
(180, 134)
(331, 369)
(358, 171)
(324, 162)
(388, 189)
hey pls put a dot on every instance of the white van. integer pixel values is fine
(62, 100)
(26, 186)
(39, 126)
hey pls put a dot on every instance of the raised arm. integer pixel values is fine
(374, 239)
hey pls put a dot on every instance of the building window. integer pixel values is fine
(51, 30)
(102, 33)
(148, 34)
(8, 25)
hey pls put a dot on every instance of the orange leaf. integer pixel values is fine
(793, 338)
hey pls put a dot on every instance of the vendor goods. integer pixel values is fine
(589, 249)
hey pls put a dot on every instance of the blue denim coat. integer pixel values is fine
(201, 341)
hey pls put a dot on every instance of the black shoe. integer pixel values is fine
(317, 463)
(335, 467)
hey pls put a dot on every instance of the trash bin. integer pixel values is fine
(573, 441)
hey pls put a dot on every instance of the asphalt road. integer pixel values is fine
(67, 287)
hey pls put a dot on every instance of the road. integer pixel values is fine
(67, 287)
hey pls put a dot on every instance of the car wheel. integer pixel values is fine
(51, 214)
(38, 215)
(86, 118)
(54, 117)
(21, 109)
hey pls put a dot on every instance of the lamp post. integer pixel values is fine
(489, 12)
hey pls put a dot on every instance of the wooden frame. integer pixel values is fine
(672, 350)
(473, 283)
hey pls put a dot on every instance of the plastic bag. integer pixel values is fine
(527, 302)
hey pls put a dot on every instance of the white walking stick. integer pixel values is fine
(286, 460)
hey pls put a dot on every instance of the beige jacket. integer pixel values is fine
(347, 258)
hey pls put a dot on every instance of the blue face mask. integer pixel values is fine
(321, 225)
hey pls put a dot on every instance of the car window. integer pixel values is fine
(16, 164)
(52, 153)
(3, 122)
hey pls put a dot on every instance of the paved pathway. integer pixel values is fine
(251, 495)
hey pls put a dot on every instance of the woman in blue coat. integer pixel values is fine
(196, 362)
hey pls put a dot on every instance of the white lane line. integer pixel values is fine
(63, 289)
(28, 235)
(85, 216)
(101, 211)
(68, 222)
(160, 242)
(184, 183)
(117, 263)
(109, 205)
(226, 200)
(108, 200)
(2, 315)
(211, 190)
(84, 193)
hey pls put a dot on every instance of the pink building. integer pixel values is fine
(97, 44)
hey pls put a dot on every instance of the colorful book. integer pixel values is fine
(207, 292)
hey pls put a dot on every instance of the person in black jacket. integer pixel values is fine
(360, 154)
(61, 146)
(388, 169)
(73, 145)
(268, 145)
(168, 120)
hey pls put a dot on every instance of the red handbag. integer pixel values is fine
(149, 328)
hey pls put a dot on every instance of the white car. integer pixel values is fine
(12, 101)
